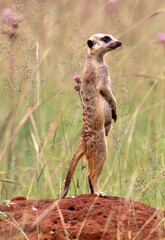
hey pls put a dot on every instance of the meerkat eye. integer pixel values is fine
(106, 39)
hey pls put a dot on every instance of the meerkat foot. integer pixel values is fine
(100, 194)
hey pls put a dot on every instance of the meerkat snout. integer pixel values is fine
(119, 43)
(114, 44)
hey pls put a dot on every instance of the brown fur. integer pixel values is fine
(99, 107)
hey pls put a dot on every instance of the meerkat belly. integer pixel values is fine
(107, 111)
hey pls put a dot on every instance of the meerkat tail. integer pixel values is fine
(76, 157)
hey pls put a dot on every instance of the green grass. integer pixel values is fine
(41, 133)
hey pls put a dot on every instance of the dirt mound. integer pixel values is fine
(83, 217)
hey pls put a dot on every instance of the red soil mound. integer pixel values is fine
(84, 217)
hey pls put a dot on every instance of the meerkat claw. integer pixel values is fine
(114, 115)
(101, 194)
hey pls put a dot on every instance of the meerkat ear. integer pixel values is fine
(90, 43)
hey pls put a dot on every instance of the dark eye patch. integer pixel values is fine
(106, 39)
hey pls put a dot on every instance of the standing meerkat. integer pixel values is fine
(99, 108)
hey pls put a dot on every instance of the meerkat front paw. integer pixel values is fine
(114, 114)
(101, 194)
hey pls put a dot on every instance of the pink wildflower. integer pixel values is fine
(77, 87)
(9, 16)
(77, 78)
(6, 15)
(161, 37)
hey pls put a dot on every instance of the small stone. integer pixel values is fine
(34, 208)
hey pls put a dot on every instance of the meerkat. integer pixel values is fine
(99, 108)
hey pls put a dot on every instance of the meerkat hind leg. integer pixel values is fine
(94, 186)
(96, 162)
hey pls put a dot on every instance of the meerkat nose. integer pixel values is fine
(119, 43)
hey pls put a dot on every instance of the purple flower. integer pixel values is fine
(9, 16)
(77, 87)
(77, 79)
(161, 37)
(6, 15)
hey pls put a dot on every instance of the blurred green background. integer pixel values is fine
(41, 113)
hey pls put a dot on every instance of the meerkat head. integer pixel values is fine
(99, 44)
